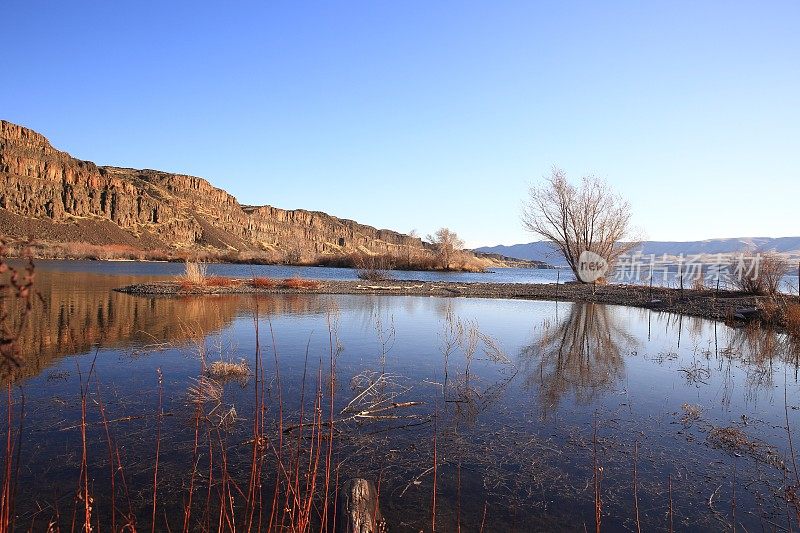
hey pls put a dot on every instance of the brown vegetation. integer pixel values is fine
(461, 261)
(793, 318)
(447, 244)
(299, 283)
(226, 370)
(757, 273)
(220, 281)
(264, 283)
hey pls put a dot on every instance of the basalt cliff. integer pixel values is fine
(54, 200)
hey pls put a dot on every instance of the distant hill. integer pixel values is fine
(546, 252)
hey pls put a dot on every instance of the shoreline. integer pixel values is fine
(728, 306)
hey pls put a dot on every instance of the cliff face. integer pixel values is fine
(147, 208)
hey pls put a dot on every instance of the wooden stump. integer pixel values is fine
(358, 508)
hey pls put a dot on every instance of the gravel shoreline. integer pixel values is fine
(723, 305)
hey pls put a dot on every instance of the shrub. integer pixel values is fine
(220, 281)
(264, 283)
(373, 267)
(194, 272)
(298, 283)
(758, 273)
(793, 318)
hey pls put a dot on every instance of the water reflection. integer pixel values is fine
(583, 353)
(79, 311)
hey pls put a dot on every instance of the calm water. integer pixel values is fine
(499, 275)
(517, 400)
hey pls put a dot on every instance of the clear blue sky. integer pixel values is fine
(404, 114)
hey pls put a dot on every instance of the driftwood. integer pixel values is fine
(359, 509)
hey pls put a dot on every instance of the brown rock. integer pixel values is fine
(42, 185)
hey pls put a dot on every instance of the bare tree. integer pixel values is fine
(591, 217)
(447, 244)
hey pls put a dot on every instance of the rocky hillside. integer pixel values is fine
(52, 198)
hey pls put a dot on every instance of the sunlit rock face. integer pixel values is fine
(81, 201)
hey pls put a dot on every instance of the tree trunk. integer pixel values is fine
(359, 509)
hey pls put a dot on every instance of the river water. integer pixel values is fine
(534, 413)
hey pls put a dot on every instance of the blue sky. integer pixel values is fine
(425, 114)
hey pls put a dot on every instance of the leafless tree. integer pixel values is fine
(590, 217)
(447, 244)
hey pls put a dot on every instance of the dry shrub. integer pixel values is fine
(194, 272)
(299, 283)
(264, 283)
(770, 310)
(758, 273)
(467, 262)
(373, 267)
(186, 285)
(417, 259)
(220, 281)
(793, 318)
(204, 390)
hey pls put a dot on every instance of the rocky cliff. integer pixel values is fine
(49, 196)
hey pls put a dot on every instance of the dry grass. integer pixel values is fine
(264, 283)
(793, 318)
(220, 281)
(299, 283)
(194, 272)
(416, 259)
(759, 273)
(691, 413)
(226, 370)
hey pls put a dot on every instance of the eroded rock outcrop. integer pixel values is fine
(158, 209)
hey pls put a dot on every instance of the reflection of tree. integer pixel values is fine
(758, 348)
(583, 354)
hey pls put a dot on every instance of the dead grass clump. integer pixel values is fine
(699, 283)
(732, 439)
(204, 390)
(227, 370)
(299, 283)
(264, 283)
(186, 285)
(691, 413)
(373, 274)
(220, 281)
(793, 318)
(194, 272)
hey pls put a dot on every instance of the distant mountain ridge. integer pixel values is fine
(545, 251)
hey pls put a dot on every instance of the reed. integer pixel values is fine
(160, 414)
(194, 272)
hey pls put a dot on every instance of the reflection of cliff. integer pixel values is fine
(582, 354)
(79, 311)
